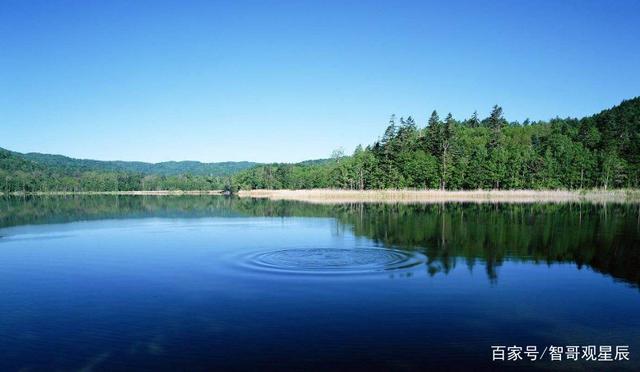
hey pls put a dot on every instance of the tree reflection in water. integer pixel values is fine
(605, 238)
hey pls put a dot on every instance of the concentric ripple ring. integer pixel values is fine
(334, 260)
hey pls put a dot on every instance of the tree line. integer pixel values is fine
(600, 151)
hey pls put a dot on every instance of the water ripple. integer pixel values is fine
(333, 260)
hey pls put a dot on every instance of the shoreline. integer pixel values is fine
(333, 196)
(337, 196)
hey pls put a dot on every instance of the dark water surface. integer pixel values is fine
(214, 283)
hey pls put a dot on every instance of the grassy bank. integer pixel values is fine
(439, 196)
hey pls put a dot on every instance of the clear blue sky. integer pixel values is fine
(292, 80)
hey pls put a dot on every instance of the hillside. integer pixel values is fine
(11, 161)
(169, 168)
(37, 172)
(620, 127)
(43, 172)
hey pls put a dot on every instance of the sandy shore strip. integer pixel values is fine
(332, 196)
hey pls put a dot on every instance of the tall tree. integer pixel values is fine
(390, 132)
(433, 136)
(496, 122)
(447, 137)
(473, 121)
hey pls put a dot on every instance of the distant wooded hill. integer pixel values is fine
(29, 172)
(168, 168)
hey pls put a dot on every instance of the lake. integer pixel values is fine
(219, 283)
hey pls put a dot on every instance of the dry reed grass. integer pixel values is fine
(330, 196)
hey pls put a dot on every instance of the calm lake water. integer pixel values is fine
(215, 283)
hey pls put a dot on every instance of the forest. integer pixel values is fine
(598, 151)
